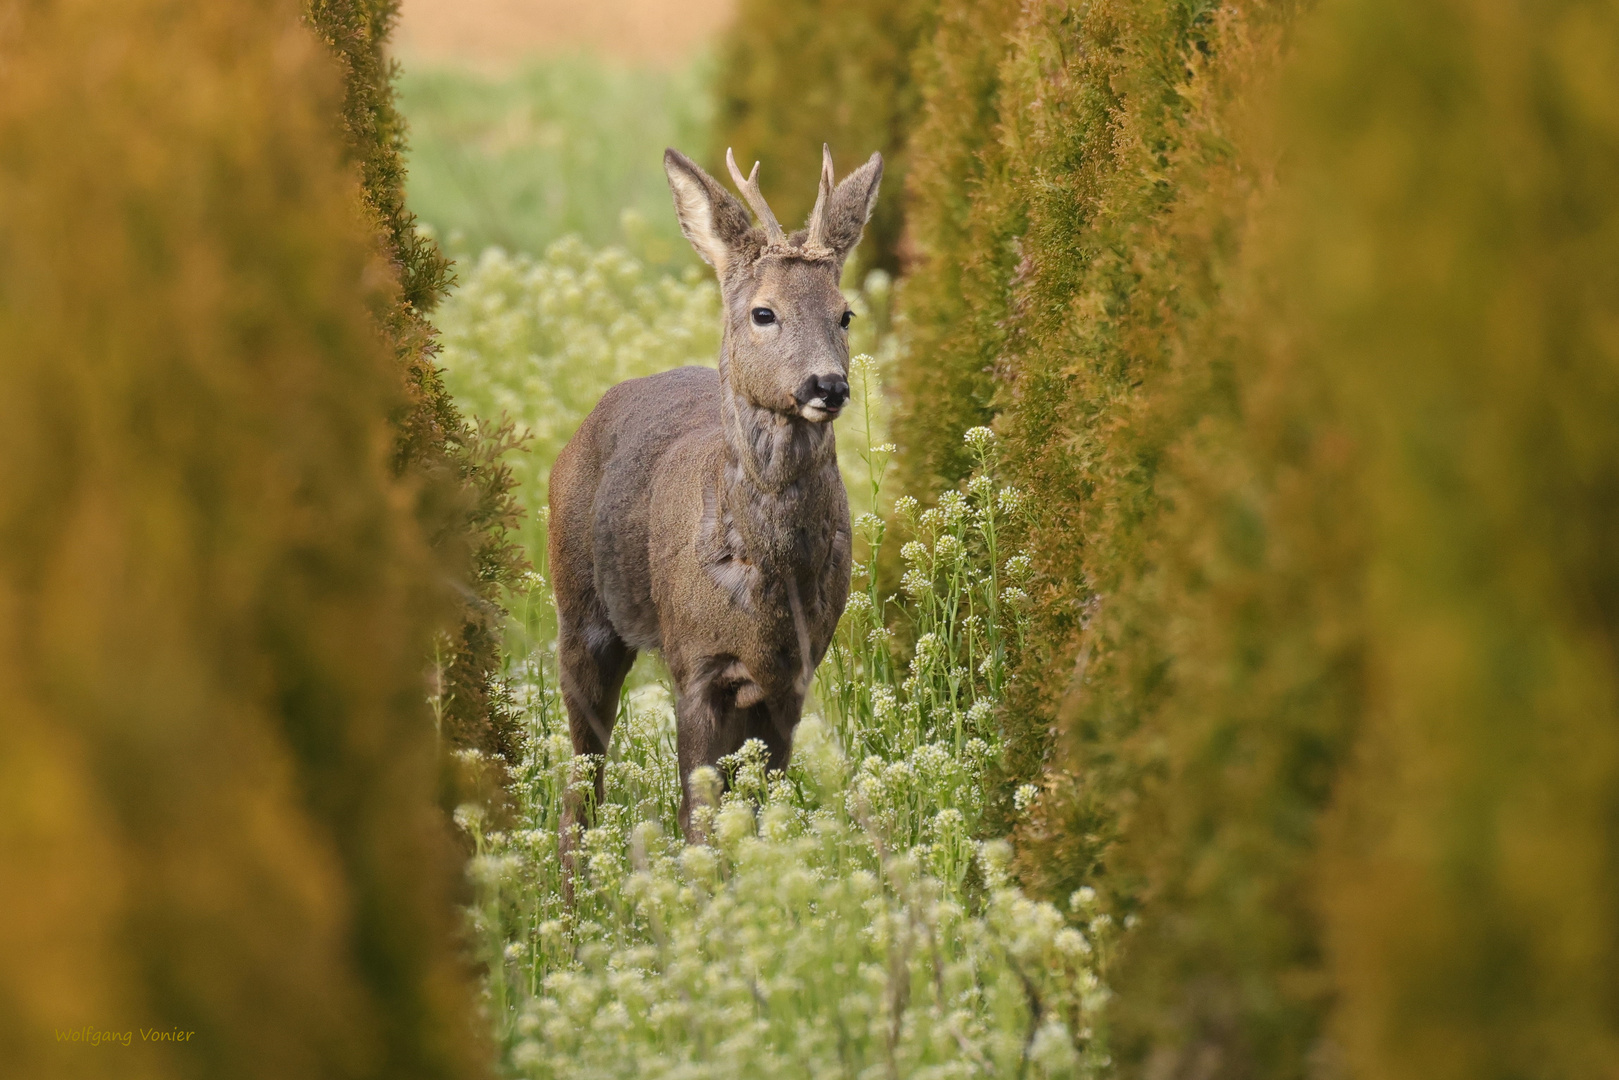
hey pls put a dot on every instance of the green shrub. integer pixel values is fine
(1310, 419)
(567, 146)
(1199, 709)
(1049, 284)
(464, 491)
(216, 772)
(794, 75)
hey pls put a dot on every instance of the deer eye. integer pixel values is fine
(847, 315)
(763, 316)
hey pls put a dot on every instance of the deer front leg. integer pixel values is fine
(707, 727)
(592, 661)
(773, 723)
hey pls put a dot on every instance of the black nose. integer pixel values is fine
(832, 390)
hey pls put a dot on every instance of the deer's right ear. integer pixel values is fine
(711, 217)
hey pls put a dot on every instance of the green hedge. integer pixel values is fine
(1311, 408)
(960, 237)
(217, 774)
(464, 496)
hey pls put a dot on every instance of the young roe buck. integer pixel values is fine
(700, 512)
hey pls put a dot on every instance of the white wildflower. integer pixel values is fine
(1010, 500)
(953, 506)
(468, 816)
(979, 438)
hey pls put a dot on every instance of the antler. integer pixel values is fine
(817, 223)
(750, 192)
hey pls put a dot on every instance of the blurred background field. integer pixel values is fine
(493, 33)
(570, 145)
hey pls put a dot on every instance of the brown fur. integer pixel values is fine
(701, 513)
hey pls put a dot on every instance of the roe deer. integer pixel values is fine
(701, 513)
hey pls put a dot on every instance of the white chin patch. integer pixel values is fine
(816, 411)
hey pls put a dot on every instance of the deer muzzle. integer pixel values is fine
(821, 397)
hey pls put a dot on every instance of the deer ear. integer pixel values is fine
(843, 217)
(711, 217)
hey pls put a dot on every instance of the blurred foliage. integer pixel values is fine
(1048, 282)
(1450, 241)
(464, 487)
(564, 146)
(1311, 412)
(216, 771)
(1205, 634)
(794, 75)
(1088, 197)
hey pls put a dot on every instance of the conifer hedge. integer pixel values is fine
(1296, 321)
(217, 774)
(464, 489)
(1319, 472)
(961, 245)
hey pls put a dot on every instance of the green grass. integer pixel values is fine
(841, 919)
(567, 147)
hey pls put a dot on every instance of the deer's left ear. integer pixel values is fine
(712, 219)
(841, 213)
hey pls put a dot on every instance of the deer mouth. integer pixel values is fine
(817, 411)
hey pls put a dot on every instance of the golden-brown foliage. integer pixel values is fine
(216, 774)
(960, 246)
(1450, 238)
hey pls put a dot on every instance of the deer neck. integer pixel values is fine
(778, 474)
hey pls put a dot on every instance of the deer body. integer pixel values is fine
(701, 512)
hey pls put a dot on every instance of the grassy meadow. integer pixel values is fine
(845, 918)
(570, 146)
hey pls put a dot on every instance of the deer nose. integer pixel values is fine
(827, 391)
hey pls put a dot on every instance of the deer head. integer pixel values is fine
(786, 322)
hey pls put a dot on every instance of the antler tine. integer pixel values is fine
(750, 191)
(817, 225)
